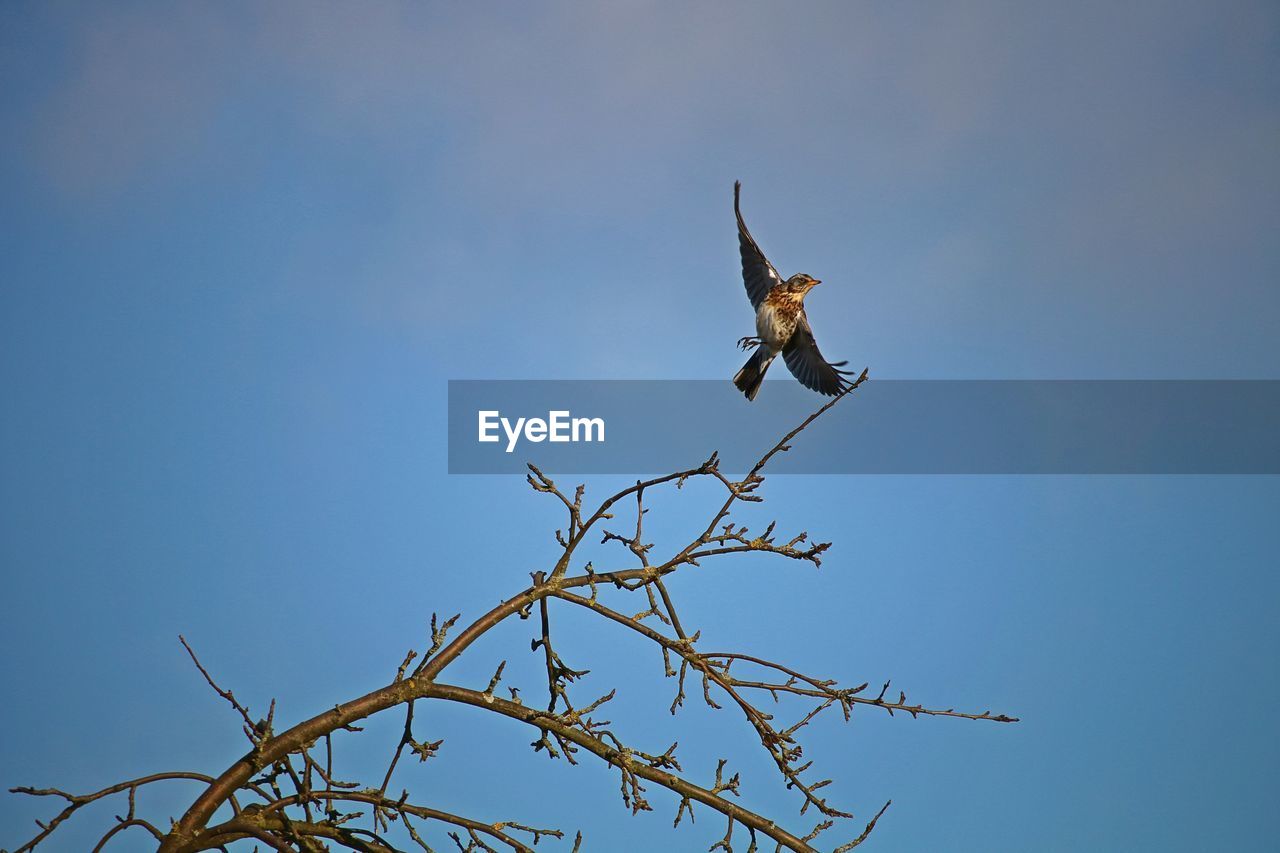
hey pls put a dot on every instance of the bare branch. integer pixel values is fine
(251, 727)
(305, 807)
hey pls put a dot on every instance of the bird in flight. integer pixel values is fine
(781, 324)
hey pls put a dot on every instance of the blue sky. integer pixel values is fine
(244, 247)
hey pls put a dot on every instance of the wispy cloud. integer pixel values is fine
(984, 150)
(139, 91)
(526, 99)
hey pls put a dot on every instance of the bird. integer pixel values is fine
(781, 323)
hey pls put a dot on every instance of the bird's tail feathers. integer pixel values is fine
(748, 379)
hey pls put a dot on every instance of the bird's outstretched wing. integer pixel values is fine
(757, 273)
(807, 364)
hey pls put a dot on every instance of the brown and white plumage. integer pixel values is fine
(781, 323)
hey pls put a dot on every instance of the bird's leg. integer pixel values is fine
(749, 342)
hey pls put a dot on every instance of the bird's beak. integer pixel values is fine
(815, 283)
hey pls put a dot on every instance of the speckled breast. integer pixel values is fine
(776, 320)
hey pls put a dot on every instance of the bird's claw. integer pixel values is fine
(748, 342)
